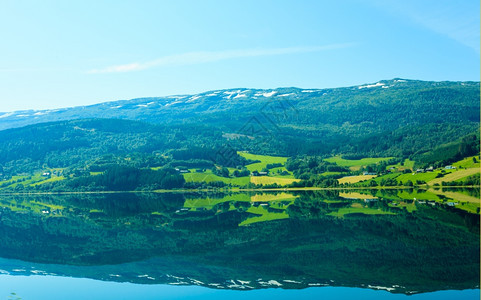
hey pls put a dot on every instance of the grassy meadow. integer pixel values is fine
(355, 164)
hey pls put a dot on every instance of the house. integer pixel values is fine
(420, 171)
(256, 173)
(368, 173)
(450, 167)
(260, 203)
(430, 169)
(184, 171)
(46, 174)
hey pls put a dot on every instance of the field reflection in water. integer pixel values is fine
(399, 241)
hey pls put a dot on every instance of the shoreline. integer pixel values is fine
(239, 190)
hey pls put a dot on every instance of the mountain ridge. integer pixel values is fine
(134, 109)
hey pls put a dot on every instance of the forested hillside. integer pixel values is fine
(429, 122)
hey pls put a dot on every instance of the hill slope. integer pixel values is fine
(392, 118)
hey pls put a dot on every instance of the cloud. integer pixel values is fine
(192, 58)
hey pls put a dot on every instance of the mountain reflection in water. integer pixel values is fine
(403, 241)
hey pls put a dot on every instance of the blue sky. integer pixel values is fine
(68, 53)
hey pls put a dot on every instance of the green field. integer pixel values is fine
(32, 206)
(467, 163)
(209, 203)
(34, 180)
(264, 215)
(359, 210)
(271, 180)
(356, 195)
(267, 197)
(354, 179)
(52, 179)
(355, 162)
(274, 172)
(456, 175)
(417, 176)
(207, 176)
(418, 195)
(387, 176)
(264, 160)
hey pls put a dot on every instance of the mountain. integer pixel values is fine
(391, 118)
(403, 101)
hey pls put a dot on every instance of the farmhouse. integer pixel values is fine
(260, 203)
(256, 173)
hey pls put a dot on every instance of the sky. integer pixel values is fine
(57, 54)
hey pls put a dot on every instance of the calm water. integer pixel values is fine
(330, 244)
(52, 288)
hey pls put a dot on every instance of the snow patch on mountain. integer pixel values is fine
(192, 99)
(6, 115)
(286, 95)
(371, 85)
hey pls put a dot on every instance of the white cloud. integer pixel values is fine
(212, 56)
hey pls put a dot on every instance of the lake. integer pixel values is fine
(334, 244)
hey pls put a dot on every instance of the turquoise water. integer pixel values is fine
(53, 288)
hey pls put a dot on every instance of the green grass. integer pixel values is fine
(360, 210)
(273, 172)
(333, 173)
(265, 215)
(266, 180)
(417, 176)
(409, 164)
(52, 179)
(355, 162)
(265, 197)
(467, 163)
(209, 177)
(355, 179)
(209, 203)
(33, 179)
(456, 175)
(419, 195)
(387, 176)
(264, 160)
(31, 206)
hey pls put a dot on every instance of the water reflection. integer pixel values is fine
(403, 241)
